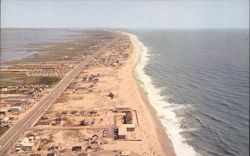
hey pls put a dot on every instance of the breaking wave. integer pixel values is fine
(165, 110)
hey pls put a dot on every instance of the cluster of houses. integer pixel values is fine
(117, 53)
(23, 67)
(28, 89)
(126, 123)
(17, 99)
(29, 146)
(49, 72)
(40, 145)
(123, 120)
(63, 118)
(7, 120)
(88, 84)
(29, 67)
(91, 78)
(26, 144)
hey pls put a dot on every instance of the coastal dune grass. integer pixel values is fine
(17, 78)
(56, 52)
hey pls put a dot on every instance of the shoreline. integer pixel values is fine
(162, 136)
(168, 127)
(147, 137)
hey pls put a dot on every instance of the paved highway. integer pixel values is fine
(18, 129)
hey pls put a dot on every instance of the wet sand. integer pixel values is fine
(154, 132)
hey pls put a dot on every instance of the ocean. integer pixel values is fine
(198, 82)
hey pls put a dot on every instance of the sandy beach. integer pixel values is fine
(160, 143)
(104, 102)
(123, 83)
(124, 78)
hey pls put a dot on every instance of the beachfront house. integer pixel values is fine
(58, 121)
(24, 145)
(15, 109)
(76, 148)
(127, 119)
(4, 121)
(122, 132)
(125, 153)
(3, 111)
(4, 89)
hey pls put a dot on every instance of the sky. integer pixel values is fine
(125, 13)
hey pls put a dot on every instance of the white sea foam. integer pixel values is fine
(164, 109)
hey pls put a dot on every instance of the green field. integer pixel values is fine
(21, 78)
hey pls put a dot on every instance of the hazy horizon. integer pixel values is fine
(103, 28)
(125, 14)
